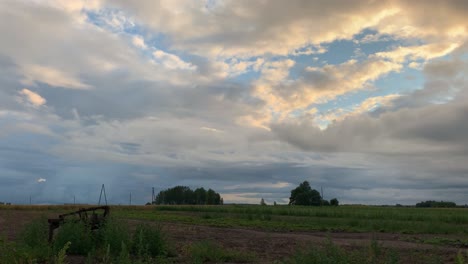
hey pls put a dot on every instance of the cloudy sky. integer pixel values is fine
(367, 99)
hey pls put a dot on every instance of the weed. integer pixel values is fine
(34, 239)
(113, 234)
(81, 238)
(62, 254)
(330, 253)
(461, 258)
(207, 251)
(149, 241)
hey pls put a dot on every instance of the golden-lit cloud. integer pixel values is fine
(33, 98)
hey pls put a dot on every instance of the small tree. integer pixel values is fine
(274, 203)
(334, 202)
(262, 202)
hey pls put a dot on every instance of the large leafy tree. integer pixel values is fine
(184, 195)
(305, 195)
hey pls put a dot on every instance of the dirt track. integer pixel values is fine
(268, 246)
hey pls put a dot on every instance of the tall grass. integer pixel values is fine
(112, 243)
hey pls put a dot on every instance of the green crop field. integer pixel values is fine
(301, 218)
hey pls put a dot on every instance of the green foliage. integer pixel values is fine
(405, 220)
(62, 254)
(115, 233)
(207, 251)
(34, 239)
(184, 195)
(105, 245)
(305, 195)
(462, 258)
(80, 236)
(149, 241)
(435, 204)
(330, 253)
(10, 252)
(334, 202)
(124, 255)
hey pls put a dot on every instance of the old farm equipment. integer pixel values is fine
(93, 217)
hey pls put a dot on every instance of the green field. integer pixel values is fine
(404, 220)
(446, 227)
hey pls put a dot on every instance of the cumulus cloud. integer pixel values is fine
(139, 42)
(249, 98)
(41, 180)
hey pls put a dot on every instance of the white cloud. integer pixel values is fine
(41, 180)
(211, 129)
(33, 98)
(51, 76)
(139, 42)
(367, 105)
(171, 61)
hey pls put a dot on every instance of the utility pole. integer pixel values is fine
(74, 200)
(103, 190)
(152, 197)
(130, 203)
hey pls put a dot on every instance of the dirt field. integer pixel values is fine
(268, 246)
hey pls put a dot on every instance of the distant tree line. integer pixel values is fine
(436, 204)
(305, 195)
(184, 195)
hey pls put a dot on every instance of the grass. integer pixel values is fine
(210, 252)
(112, 243)
(116, 243)
(333, 219)
(330, 253)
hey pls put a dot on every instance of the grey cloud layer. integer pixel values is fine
(114, 116)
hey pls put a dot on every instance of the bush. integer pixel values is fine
(115, 234)
(81, 238)
(149, 241)
(34, 239)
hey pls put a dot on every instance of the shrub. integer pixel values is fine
(149, 241)
(34, 239)
(81, 238)
(115, 234)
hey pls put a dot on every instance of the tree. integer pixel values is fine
(200, 195)
(184, 195)
(334, 202)
(262, 202)
(305, 195)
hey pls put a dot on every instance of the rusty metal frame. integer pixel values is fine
(94, 221)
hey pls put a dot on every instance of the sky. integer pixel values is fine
(365, 99)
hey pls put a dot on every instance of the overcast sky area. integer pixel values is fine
(367, 99)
